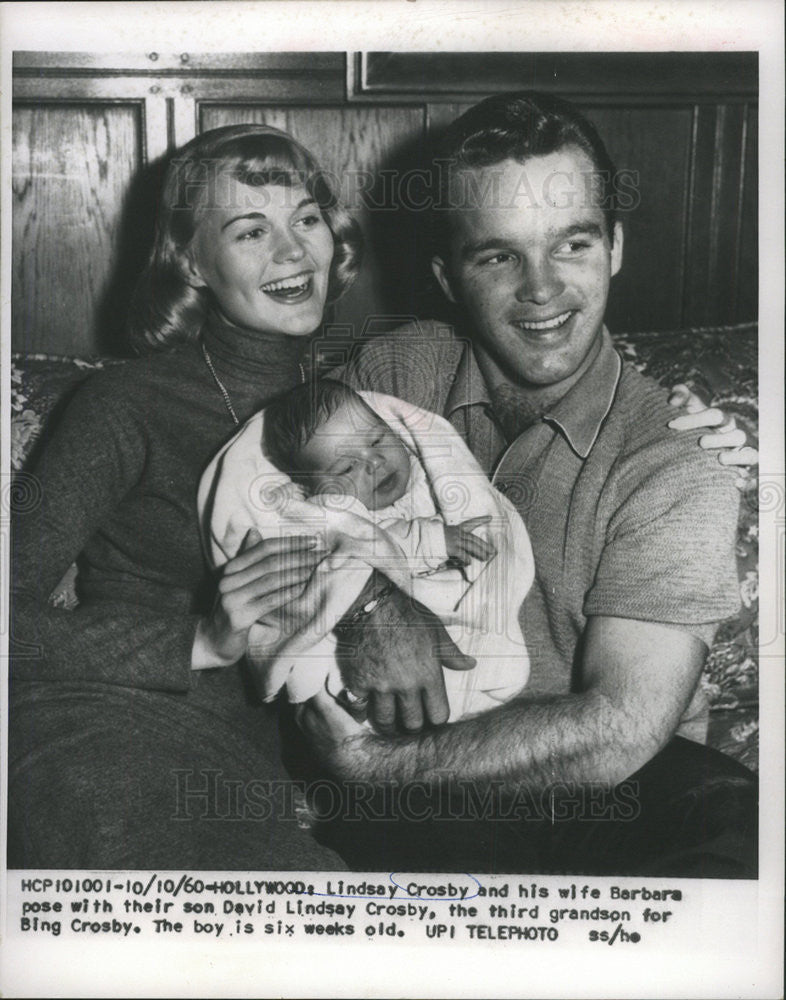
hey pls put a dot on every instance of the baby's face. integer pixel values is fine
(355, 453)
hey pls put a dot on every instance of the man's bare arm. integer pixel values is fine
(638, 679)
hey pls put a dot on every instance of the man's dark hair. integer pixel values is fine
(291, 420)
(519, 126)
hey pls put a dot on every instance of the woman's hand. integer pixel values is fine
(263, 577)
(393, 662)
(727, 436)
(340, 743)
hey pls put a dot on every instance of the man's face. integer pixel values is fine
(530, 260)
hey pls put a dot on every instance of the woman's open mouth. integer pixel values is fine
(291, 290)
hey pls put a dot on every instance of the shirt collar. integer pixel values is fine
(469, 387)
(579, 415)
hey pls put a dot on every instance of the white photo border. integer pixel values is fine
(749, 912)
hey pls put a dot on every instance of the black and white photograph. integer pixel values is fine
(383, 488)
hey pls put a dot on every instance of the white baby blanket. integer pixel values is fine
(241, 489)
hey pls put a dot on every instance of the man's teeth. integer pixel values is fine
(298, 283)
(544, 324)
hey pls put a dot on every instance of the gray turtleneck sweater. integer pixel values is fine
(121, 756)
(119, 478)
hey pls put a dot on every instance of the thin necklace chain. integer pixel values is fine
(223, 389)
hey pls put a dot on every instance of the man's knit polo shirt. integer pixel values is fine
(627, 518)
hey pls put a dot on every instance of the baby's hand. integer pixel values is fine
(462, 545)
(294, 491)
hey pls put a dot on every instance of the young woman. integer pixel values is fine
(124, 753)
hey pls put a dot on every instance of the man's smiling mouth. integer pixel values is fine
(544, 324)
(288, 289)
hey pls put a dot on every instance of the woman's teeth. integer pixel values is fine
(288, 286)
(544, 324)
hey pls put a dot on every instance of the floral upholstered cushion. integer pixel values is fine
(41, 385)
(720, 362)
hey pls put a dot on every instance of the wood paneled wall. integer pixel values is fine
(90, 131)
(72, 168)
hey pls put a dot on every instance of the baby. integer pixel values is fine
(334, 445)
(389, 486)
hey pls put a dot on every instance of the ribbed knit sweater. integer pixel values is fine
(118, 477)
(120, 755)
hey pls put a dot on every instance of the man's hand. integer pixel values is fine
(394, 658)
(463, 545)
(636, 680)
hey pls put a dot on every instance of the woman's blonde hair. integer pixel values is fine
(165, 308)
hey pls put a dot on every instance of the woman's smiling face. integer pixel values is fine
(265, 254)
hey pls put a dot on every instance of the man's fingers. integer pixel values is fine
(410, 709)
(355, 704)
(383, 711)
(740, 456)
(456, 660)
(435, 702)
(706, 417)
(445, 649)
(448, 652)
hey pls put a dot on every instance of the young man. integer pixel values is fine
(632, 528)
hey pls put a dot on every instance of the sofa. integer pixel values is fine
(721, 362)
